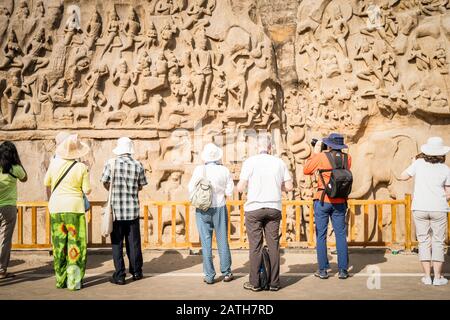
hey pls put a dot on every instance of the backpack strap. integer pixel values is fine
(64, 175)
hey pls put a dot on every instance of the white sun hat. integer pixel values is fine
(435, 147)
(124, 146)
(211, 153)
(61, 136)
(72, 148)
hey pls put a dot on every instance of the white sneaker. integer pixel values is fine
(440, 281)
(426, 280)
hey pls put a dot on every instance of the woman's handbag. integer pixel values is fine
(107, 212)
(87, 204)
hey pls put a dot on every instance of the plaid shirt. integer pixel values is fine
(129, 175)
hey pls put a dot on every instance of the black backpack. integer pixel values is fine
(264, 270)
(341, 180)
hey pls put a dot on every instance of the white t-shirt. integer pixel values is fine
(221, 181)
(265, 175)
(429, 185)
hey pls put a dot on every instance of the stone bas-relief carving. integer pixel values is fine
(147, 68)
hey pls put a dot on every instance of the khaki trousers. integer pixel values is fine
(431, 231)
(8, 216)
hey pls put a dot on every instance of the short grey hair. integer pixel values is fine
(264, 142)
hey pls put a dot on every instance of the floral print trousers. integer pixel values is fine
(69, 248)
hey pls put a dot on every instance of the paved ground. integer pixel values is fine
(177, 275)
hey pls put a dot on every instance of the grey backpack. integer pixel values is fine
(201, 198)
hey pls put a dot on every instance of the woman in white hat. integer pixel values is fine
(66, 179)
(216, 217)
(430, 206)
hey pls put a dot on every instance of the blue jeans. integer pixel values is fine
(207, 221)
(322, 213)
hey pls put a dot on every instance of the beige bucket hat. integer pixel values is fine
(72, 148)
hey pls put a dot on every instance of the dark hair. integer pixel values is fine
(8, 156)
(431, 159)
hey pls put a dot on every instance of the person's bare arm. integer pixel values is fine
(25, 178)
(242, 185)
(287, 186)
(447, 192)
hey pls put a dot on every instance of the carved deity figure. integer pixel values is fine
(419, 57)
(164, 7)
(167, 34)
(387, 60)
(125, 79)
(242, 63)
(268, 108)
(149, 40)
(422, 97)
(15, 96)
(371, 59)
(185, 95)
(4, 22)
(340, 30)
(196, 10)
(220, 93)
(330, 65)
(440, 59)
(253, 114)
(438, 99)
(95, 81)
(112, 32)
(35, 52)
(39, 12)
(202, 64)
(389, 20)
(131, 30)
(21, 23)
(93, 31)
(12, 53)
(72, 27)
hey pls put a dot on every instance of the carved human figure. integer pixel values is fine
(438, 99)
(253, 114)
(202, 64)
(389, 20)
(162, 67)
(164, 7)
(196, 11)
(242, 63)
(95, 84)
(268, 109)
(21, 22)
(340, 30)
(220, 93)
(419, 57)
(371, 59)
(375, 23)
(330, 66)
(149, 40)
(307, 44)
(4, 22)
(15, 96)
(71, 27)
(388, 68)
(440, 58)
(35, 52)
(185, 95)
(144, 64)
(12, 53)
(124, 78)
(112, 32)
(167, 34)
(93, 31)
(422, 97)
(39, 11)
(131, 29)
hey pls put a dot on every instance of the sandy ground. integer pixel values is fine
(178, 275)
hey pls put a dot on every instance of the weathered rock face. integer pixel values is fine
(173, 75)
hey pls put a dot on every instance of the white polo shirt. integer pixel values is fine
(221, 181)
(265, 175)
(429, 185)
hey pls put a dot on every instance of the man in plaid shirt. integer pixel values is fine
(128, 180)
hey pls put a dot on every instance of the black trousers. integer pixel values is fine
(130, 231)
(259, 223)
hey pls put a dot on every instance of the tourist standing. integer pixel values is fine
(430, 206)
(216, 217)
(11, 170)
(265, 177)
(67, 179)
(128, 179)
(326, 207)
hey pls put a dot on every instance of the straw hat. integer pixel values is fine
(61, 136)
(72, 148)
(211, 153)
(124, 146)
(435, 147)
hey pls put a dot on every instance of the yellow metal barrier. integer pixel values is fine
(297, 225)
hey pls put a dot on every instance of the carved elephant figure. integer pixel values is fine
(379, 161)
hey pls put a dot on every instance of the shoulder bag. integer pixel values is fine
(107, 212)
